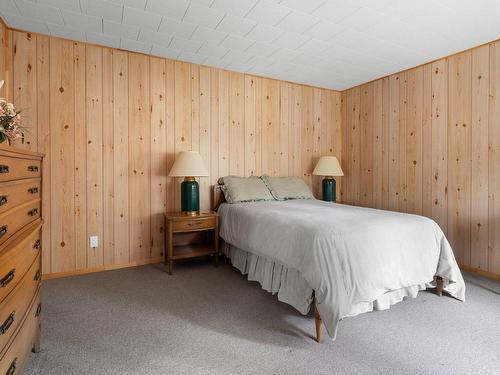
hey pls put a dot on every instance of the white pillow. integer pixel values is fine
(283, 188)
(244, 189)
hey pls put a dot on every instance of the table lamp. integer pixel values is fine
(329, 167)
(189, 165)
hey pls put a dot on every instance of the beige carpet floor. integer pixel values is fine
(207, 320)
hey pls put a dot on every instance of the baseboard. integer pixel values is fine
(109, 267)
(481, 272)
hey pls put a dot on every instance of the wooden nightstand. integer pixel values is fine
(190, 236)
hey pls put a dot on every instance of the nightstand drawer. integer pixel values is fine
(194, 225)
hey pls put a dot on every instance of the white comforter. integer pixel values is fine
(351, 256)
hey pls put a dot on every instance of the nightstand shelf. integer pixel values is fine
(192, 251)
(190, 236)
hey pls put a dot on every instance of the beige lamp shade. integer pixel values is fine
(328, 166)
(188, 164)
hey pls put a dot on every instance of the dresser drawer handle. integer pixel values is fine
(3, 200)
(4, 169)
(195, 224)
(37, 245)
(8, 278)
(33, 212)
(38, 310)
(37, 276)
(12, 368)
(8, 322)
(32, 168)
(33, 190)
(3, 230)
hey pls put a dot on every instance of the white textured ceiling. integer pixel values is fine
(327, 43)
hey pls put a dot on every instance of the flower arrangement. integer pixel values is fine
(10, 119)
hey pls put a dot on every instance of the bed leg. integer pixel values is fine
(319, 325)
(439, 286)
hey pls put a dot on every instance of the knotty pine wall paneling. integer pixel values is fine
(158, 154)
(439, 142)
(494, 161)
(139, 157)
(107, 156)
(24, 79)
(94, 154)
(62, 156)
(252, 135)
(366, 143)
(284, 135)
(81, 146)
(479, 143)
(43, 144)
(111, 122)
(205, 129)
(414, 144)
(426, 148)
(236, 124)
(431, 135)
(120, 158)
(459, 154)
(223, 122)
(307, 134)
(3, 55)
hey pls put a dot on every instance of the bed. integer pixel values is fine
(342, 260)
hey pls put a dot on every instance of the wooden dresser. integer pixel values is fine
(20, 266)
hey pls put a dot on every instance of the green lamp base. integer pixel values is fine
(329, 189)
(190, 196)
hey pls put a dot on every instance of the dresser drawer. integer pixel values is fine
(14, 359)
(14, 307)
(15, 219)
(17, 168)
(17, 257)
(193, 225)
(18, 192)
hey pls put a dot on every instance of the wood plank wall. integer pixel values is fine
(111, 122)
(3, 56)
(427, 141)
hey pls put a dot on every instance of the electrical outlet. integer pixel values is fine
(94, 241)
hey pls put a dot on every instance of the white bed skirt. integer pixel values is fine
(275, 278)
(293, 289)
